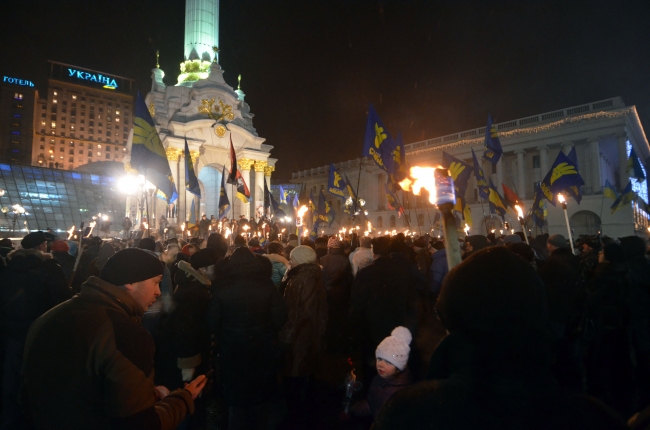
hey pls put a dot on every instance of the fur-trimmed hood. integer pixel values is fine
(277, 258)
(23, 260)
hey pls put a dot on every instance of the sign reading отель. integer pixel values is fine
(107, 81)
(16, 81)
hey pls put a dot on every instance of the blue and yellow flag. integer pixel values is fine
(395, 159)
(459, 171)
(315, 219)
(573, 190)
(634, 168)
(493, 148)
(481, 182)
(336, 184)
(192, 221)
(609, 191)
(296, 203)
(272, 203)
(148, 156)
(539, 211)
(563, 175)
(627, 196)
(351, 192)
(325, 212)
(391, 199)
(496, 202)
(377, 139)
(191, 182)
(283, 196)
(224, 202)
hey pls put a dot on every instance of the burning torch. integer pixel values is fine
(520, 215)
(562, 200)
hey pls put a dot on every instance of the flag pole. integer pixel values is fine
(415, 208)
(356, 192)
(484, 223)
(146, 202)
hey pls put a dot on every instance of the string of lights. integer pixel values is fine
(529, 130)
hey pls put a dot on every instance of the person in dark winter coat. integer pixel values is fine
(493, 370)
(280, 264)
(30, 285)
(90, 252)
(383, 297)
(422, 256)
(609, 312)
(89, 363)
(337, 277)
(306, 299)
(246, 312)
(438, 271)
(59, 251)
(392, 372)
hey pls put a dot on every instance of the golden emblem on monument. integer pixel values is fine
(220, 130)
(218, 112)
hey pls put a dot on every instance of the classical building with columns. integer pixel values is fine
(209, 113)
(602, 133)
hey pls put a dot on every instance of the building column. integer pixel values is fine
(267, 176)
(543, 160)
(500, 171)
(566, 147)
(594, 164)
(174, 156)
(521, 172)
(623, 176)
(259, 186)
(245, 165)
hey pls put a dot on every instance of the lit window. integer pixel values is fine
(99, 146)
(74, 97)
(99, 154)
(117, 112)
(55, 93)
(18, 96)
(72, 127)
(54, 101)
(42, 122)
(51, 151)
(640, 187)
(117, 120)
(53, 125)
(124, 149)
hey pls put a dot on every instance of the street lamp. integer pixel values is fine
(17, 210)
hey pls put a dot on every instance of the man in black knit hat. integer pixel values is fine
(88, 362)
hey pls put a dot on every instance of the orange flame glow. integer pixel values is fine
(560, 198)
(520, 213)
(424, 178)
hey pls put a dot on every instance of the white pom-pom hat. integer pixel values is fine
(395, 348)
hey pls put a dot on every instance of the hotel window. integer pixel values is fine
(55, 93)
(90, 153)
(74, 97)
(42, 146)
(53, 124)
(71, 160)
(81, 151)
(108, 148)
(71, 152)
(54, 101)
(117, 112)
(18, 96)
(108, 156)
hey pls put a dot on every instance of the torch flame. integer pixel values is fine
(405, 184)
(466, 229)
(246, 227)
(369, 227)
(424, 178)
(305, 233)
(228, 231)
(520, 213)
(92, 225)
(560, 198)
(70, 232)
(302, 210)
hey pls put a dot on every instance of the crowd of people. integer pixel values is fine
(344, 332)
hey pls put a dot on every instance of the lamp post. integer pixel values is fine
(17, 211)
(520, 215)
(562, 200)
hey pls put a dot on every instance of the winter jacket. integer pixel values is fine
(66, 261)
(246, 312)
(30, 285)
(306, 299)
(336, 269)
(280, 267)
(438, 271)
(423, 260)
(380, 391)
(183, 338)
(362, 258)
(89, 365)
(383, 297)
(498, 381)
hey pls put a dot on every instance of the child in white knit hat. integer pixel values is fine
(392, 356)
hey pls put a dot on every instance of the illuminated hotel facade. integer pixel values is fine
(83, 117)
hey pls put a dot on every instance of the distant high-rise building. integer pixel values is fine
(84, 116)
(17, 98)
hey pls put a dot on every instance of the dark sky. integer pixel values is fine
(311, 67)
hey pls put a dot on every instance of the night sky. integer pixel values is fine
(311, 67)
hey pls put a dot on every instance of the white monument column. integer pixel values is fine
(201, 29)
(259, 184)
(594, 164)
(623, 176)
(245, 165)
(521, 172)
(543, 160)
